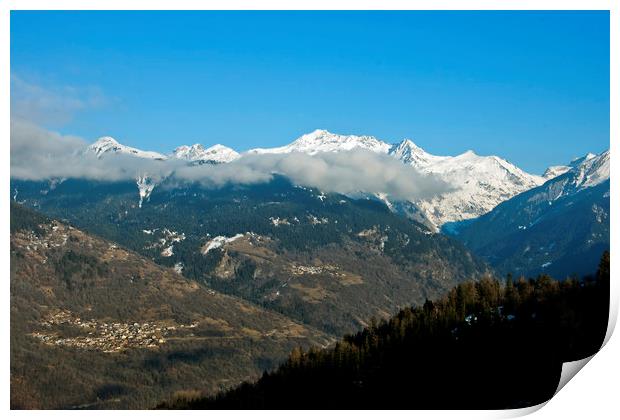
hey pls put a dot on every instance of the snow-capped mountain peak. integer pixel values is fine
(589, 173)
(478, 183)
(468, 154)
(578, 161)
(410, 153)
(198, 153)
(593, 170)
(323, 141)
(188, 152)
(107, 141)
(105, 144)
(560, 226)
(108, 145)
(555, 171)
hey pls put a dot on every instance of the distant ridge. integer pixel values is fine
(477, 183)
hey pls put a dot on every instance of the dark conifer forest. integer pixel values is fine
(485, 345)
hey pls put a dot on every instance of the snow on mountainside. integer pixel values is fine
(218, 242)
(479, 183)
(410, 153)
(561, 226)
(198, 153)
(586, 172)
(576, 162)
(324, 141)
(107, 145)
(555, 171)
(592, 170)
(145, 188)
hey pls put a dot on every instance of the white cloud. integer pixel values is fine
(38, 154)
(43, 105)
(349, 172)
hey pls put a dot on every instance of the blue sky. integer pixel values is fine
(532, 87)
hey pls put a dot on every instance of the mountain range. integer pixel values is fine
(479, 189)
(200, 289)
(560, 227)
(313, 256)
(476, 183)
(187, 286)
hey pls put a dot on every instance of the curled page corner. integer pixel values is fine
(519, 412)
(614, 302)
(569, 370)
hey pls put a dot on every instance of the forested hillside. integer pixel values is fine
(485, 346)
(94, 325)
(559, 228)
(326, 260)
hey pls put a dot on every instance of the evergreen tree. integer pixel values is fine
(404, 362)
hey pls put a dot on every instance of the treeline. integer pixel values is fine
(109, 210)
(485, 345)
(24, 219)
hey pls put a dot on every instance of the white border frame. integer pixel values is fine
(593, 393)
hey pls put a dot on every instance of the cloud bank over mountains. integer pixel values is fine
(39, 154)
(350, 172)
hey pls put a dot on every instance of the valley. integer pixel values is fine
(112, 329)
(189, 289)
(227, 240)
(338, 209)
